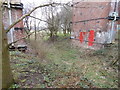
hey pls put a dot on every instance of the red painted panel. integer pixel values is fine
(81, 37)
(91, 38)
(84, 33)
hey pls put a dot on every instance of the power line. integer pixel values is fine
(89, 41)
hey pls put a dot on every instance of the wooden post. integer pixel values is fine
(7, 78)
(0, 48)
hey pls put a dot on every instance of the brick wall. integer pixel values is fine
(100, 28)
(18, 31)
(119, 11)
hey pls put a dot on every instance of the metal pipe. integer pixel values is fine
(10, 21)
(112, 31)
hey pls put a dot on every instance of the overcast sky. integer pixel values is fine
(43, 1)
(38, 2)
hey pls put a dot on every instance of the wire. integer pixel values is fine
(115, 7)
(89, 41)
(91, 20)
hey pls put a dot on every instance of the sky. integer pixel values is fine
(39, 2)
(43, 1)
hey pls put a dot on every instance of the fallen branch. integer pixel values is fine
(114, 62)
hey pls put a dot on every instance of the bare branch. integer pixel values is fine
(21, 38)
(8, 29)
(39, 19)
(25, 37)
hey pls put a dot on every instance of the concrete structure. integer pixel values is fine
(13, 11)
(91, 23)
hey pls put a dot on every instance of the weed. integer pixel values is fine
(14, 86)
(100, 52)
(40, 48)
(63, 66)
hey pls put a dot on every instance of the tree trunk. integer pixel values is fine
(35, 30)
(7, 78)
(64, 31)
(51, 34)
(0, 49)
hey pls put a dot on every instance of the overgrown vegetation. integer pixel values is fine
(60, 65)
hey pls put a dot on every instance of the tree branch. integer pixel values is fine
(25, 37)
(8, 29)
(39, 19)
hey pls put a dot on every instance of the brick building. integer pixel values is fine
(119, 11)
(12, 11)
(93, 24)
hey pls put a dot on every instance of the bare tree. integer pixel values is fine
(53, 21)
(59, 18)
(66, 18)
(28, 20)
(7, 78)
(6, 74)
(54, 26)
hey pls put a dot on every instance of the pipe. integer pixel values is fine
(10, 21)
(112, 31)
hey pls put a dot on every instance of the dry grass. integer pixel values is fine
(63, 66)
(40, 48)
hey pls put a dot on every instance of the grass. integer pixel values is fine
(64, 66)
